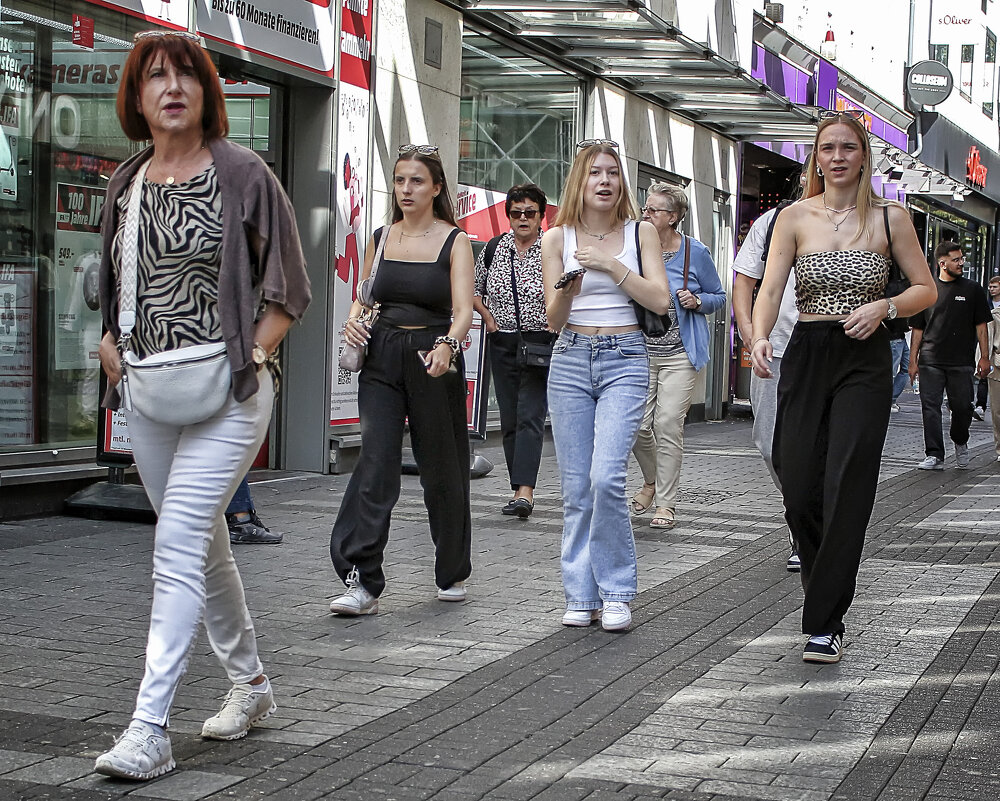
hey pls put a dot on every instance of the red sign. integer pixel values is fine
(83, 31)
(356, 22)
(975, 170)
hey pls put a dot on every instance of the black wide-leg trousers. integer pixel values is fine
(834, 396)
(393, 386)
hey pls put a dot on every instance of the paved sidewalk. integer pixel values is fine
(706, 699)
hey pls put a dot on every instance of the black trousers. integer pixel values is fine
(521, 396)
(934, 380)
(834, 395)
(393, 386)
(982, 392)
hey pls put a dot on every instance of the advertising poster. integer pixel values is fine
(12, 91)
(78, 257)
(354, 109)
(17, 352)
(297, 32)
(170, 13)
(114, 435)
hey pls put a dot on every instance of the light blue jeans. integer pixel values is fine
(900, 366)
(597, 392)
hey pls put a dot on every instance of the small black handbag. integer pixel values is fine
(651, 323)
(529, 354)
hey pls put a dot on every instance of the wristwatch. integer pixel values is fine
(892, 310)
(258, 355)
(697, 301)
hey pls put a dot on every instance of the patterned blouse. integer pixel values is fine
(670, 343)
(180, 249)
(495, 285)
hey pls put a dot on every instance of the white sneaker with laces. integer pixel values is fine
(580, 617)
(931, 463)
(616, 616)
(141, 752)
(456, 592)
(245, 706)
(356, 601)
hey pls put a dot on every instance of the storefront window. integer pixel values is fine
(519, 119)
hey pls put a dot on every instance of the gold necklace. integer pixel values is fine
(830, 212)
(415, 236)
(169, 180)
(599, 237)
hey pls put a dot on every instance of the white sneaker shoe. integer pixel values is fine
(580, 617)
(245, 706)
(456, 592)
(617, 616)
(140, 753)
(931, 463)
(962, 456)
(356, 601)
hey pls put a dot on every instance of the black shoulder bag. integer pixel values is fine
(651, 323)
(897, 283)
(529, 354)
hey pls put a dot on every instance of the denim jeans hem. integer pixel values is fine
(583, 606)
(626, 597)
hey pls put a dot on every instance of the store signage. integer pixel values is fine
(975, 170)
(928, 83)
(302, 33)
(83, 32)
(169, 13)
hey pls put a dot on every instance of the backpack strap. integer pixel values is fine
(491, 249)
(770, 230)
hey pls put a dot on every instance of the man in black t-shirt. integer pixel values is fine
(943, 351)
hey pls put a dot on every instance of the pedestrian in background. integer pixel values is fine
(245, 525)
(983, 387)
(219, 260)
(943, 354)
(835, 387)
(413, 371)
(675, 358)
(511, 300)
(599, 375)
(993, 377)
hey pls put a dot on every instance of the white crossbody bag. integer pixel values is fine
(177, 387)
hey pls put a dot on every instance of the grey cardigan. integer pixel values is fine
(261, 254)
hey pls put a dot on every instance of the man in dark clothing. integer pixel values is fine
(943, 351)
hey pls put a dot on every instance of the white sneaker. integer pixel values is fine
(456, 592)
(141, 752)
(931, 463)
(580, 617)
(894, 408)
(616, 616)
(962, 456)
(356, 601)
(245, 706)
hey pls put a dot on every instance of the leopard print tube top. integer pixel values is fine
(839, 281)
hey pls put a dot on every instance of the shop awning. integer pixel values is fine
(627, 44)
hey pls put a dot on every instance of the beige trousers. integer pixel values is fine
(659, 446)
(994, 387)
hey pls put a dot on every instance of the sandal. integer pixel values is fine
(664, 519)
(648, 492)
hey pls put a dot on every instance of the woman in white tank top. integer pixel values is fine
(598, 376)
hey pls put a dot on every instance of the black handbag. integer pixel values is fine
(529, 354)
(897, 283)
(651, 323)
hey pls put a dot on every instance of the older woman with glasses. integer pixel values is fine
(511, 300)
(414, 371)
(676, 357)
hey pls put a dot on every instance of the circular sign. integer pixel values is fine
(928, 83)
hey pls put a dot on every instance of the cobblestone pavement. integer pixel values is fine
(706, 699)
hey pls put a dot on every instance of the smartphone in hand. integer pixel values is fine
(565, 278)
(425, 355)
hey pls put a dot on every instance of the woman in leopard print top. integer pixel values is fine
(835, 386)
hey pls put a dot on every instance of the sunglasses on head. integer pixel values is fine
(528, 214)
(423, 150)
(853, 113)
(191, 37)
(591, 142)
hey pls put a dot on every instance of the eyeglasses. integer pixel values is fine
(591, 142)
(528, 214)
(651, 210)
(423, 150)
(853, 113)
(191, 37)
(958, 260)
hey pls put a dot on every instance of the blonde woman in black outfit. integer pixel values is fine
(836, 384)
(424, 285)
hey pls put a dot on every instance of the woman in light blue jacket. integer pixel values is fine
(676, 358)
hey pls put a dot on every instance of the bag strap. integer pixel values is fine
(513, 292)
(130, 260)
(491, 249)
(383, 236)
(888, 231)
(638, 248)
(686, 242)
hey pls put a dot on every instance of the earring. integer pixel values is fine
(819, 171)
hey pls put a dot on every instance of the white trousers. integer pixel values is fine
(190, 473)
(659, 445)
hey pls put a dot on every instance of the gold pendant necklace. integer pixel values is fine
(598, 237)
(830, 212)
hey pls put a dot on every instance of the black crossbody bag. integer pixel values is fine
(529, 354)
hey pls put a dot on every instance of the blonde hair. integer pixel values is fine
(816, 183)
(571, 204)
(675, 196)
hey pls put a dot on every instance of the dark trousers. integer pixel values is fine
(982, 392)
(934, 380)
(833, 412)
(521, 396)
(392, 386)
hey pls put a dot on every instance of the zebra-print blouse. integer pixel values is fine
(180, 248)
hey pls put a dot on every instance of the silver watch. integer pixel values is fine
(892, 310)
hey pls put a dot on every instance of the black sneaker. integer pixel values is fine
(794, 564)
(823, 648)
(251, 531)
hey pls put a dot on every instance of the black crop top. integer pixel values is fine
(415, 292)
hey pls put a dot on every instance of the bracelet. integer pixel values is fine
(451, 342)
(758, 339)
(627, 271)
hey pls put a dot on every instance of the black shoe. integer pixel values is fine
(509, 508)
(251, 531)
(977, 413)
(823, 648)
(523, 507)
